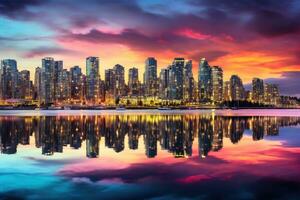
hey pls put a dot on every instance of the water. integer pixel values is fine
(244, 154)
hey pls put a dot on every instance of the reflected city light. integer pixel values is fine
(175, 133)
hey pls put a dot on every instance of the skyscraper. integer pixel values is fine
(38, 83)
(271, 94)
(163, 83)
(257, 90)
(110, 80)
(76, 83)
(25, 85)
(133, 81)
(150, 77)
(119, 80)
(188, 82)
(92, 78)
(63, 88)
(217, 84)
(102, 94)
(58, 70)
(226, 91)
(204, 81)
(47, 80)
(176, 79)
(237, 91)
(9, 79)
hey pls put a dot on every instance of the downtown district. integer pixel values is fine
(175, 86)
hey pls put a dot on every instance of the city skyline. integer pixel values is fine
(174, 85)
(149, 99)
(253, 38)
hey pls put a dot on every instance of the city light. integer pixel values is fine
(175, 86)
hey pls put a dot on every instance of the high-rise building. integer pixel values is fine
(237, 90)
(175, 85)
(204, 81)
(217, 84)
(257, 90)
(58, 70)
(110, 80)
(226, 91)
(133, 82)
(47, 80)
(84, 86)
(150, 77)
(76, 83)
(37, 83)
(92, 78)
(102, 90)
(119, 80)
(163, 83)
(25, 85)
(271, 94)
(63, 85)
(2, 82)
(9, 79)
(188, 82)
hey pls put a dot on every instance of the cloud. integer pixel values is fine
(139, 41)
(209, 55)
(46, 51)
(266, 17)
(18, 9)
(218, 30)
(289, 83)
(270, 23)
(189, 180)
(51, 162)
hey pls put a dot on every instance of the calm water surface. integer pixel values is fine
(244, 154)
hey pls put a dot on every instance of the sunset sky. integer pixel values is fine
(251, 38)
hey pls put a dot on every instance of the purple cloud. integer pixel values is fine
(289, 83)
(46, 51)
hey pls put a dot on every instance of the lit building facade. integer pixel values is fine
(63, 89)
(257, 90)
(150, 77)
(271, 94)
(38, 84)
(226, 91)
(237, 91)
(217, 84)
(175, 85)
(163, 83)
(9, 79)
(25, 85)
(133, 82)
(204, 81)
(57, 77)
(47, 81)
(188, 82)
(92, 78)
(119, 81)
(76, 83)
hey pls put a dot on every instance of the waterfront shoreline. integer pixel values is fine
(144, 108)
(216, 112)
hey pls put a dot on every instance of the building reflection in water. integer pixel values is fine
(174, 133)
